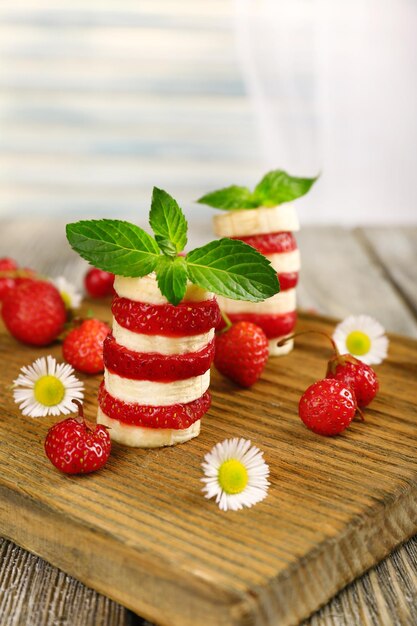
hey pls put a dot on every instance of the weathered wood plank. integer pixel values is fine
(339, 277)
(396, 250)
(364, 602)
(317, 533)
(34, 593)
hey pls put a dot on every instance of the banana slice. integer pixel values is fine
(140, 437)
(285, 261)
(139, 342)
(283, 302)
(146, 290)
(256, 221)
(151, 393)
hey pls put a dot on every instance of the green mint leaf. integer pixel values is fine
(233, 269)
(278, 187)
(167, 222)
(171, 273)
(230, 198)
(114, 246)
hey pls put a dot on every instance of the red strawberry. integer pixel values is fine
(361, 378)
(241, 353)
(76, 447)
(7, 264)
(34, 312)
(99, 283)
(83, 346)
(11, 275)
(327, 407)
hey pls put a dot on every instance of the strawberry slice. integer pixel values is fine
(177, 416)
(154, 366)
(271, 243)
(183, 320)
(272, 325)
(288, 280)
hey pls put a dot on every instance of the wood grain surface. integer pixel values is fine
(140, 531)
(34, 593)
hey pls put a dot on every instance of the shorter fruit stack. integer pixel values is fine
(157, 364)
(269, 230)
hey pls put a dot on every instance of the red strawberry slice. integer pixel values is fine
(184, 319)
(272, 325)
(154, 366)
(288, 280)
(271, 243)
(176, 416)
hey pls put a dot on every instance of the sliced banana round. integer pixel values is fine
(283, 302)
(246, 222)
(145, 289)
(140, 437)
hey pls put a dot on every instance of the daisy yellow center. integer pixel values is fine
(49, 390)
(66, 298)
(233, 476)
(358, 343)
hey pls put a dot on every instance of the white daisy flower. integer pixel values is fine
(363, 337)
(236, 474)
(71, 297)
(47, 388)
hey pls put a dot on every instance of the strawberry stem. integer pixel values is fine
(226, 320)
(80, 408)
(361, 414)
(282, 342)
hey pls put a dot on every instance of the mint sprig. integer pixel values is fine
(171, 274)
(227, 267)
(275, 188)
(114, 246)
(167, 222)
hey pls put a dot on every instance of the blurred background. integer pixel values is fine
(102, 99)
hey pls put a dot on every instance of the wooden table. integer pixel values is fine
(372, 271)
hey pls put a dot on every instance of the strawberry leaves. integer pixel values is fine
(275, 188)
(227, 267)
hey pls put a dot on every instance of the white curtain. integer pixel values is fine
(334, 88)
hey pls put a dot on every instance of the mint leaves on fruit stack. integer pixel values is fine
(275, 188)
(227, 267)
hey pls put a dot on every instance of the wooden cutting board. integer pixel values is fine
(140, 531)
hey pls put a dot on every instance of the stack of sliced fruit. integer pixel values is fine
(259, 219)
(157, 363)
(157, 358)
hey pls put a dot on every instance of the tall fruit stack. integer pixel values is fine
(157, 364)
(260, 219)
(157, 358)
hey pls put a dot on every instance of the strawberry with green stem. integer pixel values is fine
(352, 372)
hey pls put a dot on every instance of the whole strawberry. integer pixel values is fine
(83, 346)
(34, 312)
(75, 447)
(327, 407)
(99, 283)
(360, 377)
(241, 353)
